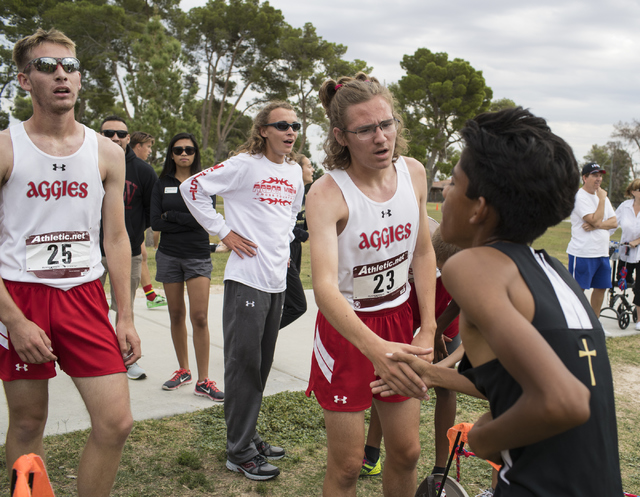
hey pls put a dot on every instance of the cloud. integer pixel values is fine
(571, 62)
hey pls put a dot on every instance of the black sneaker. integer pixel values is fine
(179, 378)
(270, 451)
(256, 469)
(207, 388)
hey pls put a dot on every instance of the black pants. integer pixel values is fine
(633, 278)
(295, 302)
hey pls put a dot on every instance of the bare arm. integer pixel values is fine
(117, 247)
(498, 325)
(424, 263)
(595, 220)
(326, 213)
(30, 342)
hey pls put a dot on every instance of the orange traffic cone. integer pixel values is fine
(30, 478)
(436, 206)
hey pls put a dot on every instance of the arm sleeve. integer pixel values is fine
(157, 223)
(197, 192)
(149, 179)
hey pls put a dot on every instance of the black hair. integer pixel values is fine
(112, 118)
(170, 165)
(525, 172)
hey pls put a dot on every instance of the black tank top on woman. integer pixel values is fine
(582, 461)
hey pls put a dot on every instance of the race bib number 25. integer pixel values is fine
(60, 254)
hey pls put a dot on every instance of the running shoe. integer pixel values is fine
(256, 469)
(270, 451)
(370, 468)
(486, 493)
(179, 378)
(135, 372)
(159, 301)
(207, 388)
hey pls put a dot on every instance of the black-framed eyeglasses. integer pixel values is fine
(186, 150)
(388, 127)
(122, 134)
(284, 125)
(50, 64)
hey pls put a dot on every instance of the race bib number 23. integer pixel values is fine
(60, 254)
(380, 282)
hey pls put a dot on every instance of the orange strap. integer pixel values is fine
(24, 466)
(464, 428)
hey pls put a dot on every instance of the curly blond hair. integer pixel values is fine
(337, 97)
(256, 144)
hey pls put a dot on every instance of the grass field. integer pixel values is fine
(184, 455)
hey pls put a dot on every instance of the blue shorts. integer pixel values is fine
(590, 272)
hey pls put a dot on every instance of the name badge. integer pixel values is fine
(171, 189)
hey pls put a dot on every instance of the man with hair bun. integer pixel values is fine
(367, 221)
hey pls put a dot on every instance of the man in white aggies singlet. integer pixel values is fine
(58, 179)
(367, 221)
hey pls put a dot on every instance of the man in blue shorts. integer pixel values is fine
(588, 249)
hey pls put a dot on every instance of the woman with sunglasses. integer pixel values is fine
(262, 189)
(183, 256)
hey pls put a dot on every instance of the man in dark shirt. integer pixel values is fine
(139, 181)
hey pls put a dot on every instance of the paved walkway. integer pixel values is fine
(148, 401)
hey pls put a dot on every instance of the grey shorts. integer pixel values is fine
(453, 344)
(174, 270)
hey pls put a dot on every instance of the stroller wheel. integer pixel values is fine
(623, 320)
(451, 487)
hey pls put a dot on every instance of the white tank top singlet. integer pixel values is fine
(376, 246)
(50, 210)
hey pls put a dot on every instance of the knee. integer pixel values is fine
(113, 430)
(199, 320)
(178, 315)
(346, 468)
(28, 425)
(405, 456)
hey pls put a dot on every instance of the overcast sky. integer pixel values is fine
(575, 63)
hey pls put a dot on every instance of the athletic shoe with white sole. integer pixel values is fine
(207, 388)
(135, 372)
(486, 493)
(159, 301)
(370, 468)
(270, 451)
(179, 378)
(255, 469)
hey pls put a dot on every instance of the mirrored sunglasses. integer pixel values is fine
(50, 64)
(186, 150)
(284, 126)
(110, 132)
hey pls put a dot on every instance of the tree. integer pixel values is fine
(501, 104)
(158, 89)
(308, 60)
(438, 95)
(238, 43)
(629, 132)
(617, 162)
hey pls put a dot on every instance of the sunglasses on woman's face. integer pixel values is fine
(50, 64)
(284, 125)
(122, 134)
(186, 150)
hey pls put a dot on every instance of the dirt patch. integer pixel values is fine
(626, 382)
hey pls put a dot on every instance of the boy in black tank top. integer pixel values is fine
(534, 347)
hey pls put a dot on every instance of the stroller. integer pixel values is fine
(617, 303)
